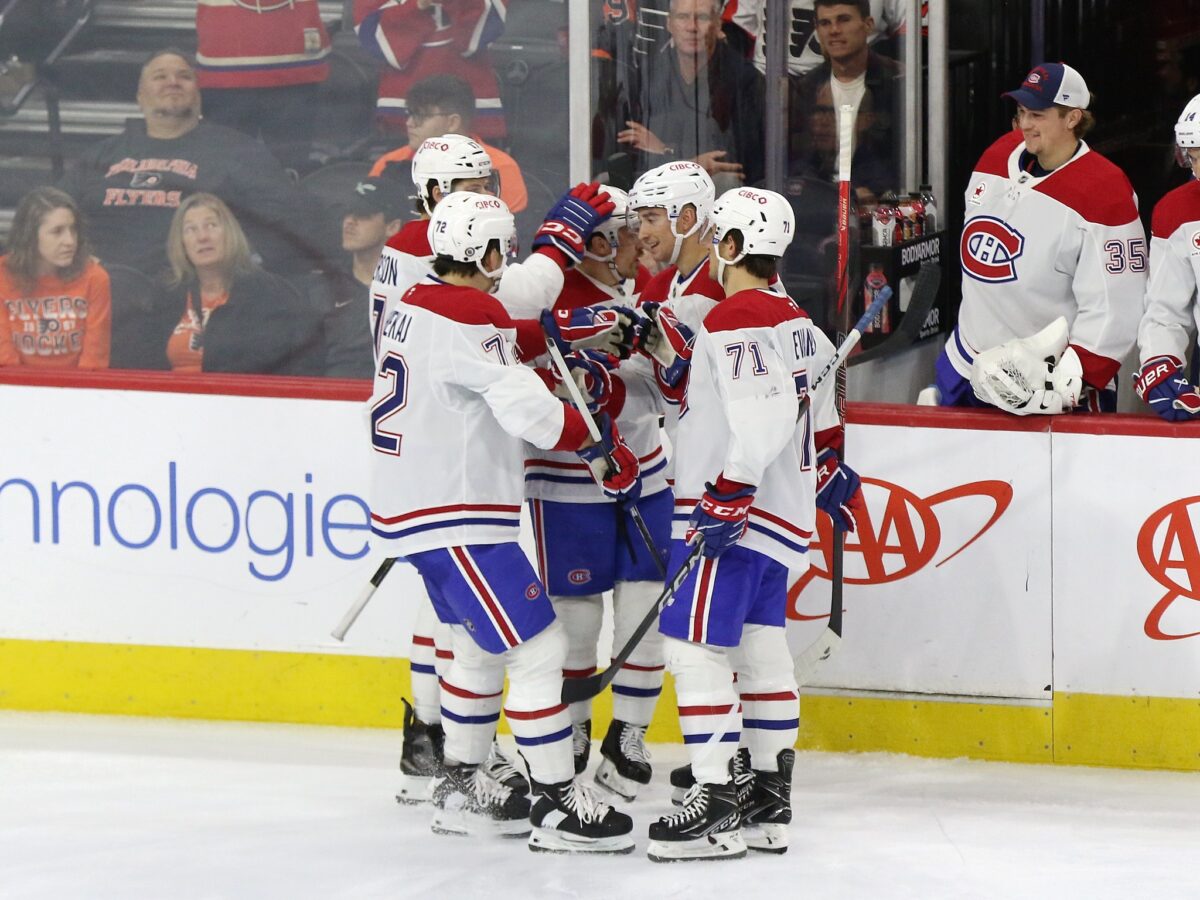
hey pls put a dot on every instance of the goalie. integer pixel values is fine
(1054, 264)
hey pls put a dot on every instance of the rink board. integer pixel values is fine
(1020, 590)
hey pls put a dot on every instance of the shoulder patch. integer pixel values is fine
(1179, 207)
(1095, 189)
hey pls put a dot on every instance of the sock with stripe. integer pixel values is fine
(471, 696)
(534, 708)
(423, 663)
(770, 702)
(709, 714)
(636, 687)
(580, 618)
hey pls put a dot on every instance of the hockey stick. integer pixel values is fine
(364, 598)
(924, 295)
(577, 689)
(580, 404)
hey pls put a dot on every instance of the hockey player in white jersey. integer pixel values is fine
(751, 470)
(448, 379)
(1172, 313)
(442, 166)
(1052, 232)
(587, 544)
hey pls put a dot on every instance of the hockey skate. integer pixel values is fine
(581, 744)
(569, 818)
(767, 811)
(500, 768)
(465, 801)
(626, 763)
(682, 778)
(706, 827)
(420, 758)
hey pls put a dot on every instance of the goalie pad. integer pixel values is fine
(1037, 375)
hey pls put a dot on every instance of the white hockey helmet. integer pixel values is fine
(764, 219)
(446, 159)
(622, 217)
(671, 187)
(1187, 131)
(463, 225)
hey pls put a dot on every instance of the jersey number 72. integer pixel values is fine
(394, 368)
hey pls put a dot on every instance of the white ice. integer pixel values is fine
(109, 807)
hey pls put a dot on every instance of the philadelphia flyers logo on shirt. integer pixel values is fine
(989, 250)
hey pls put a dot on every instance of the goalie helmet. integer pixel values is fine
(1187, 131)
(672, 187)
(463, 225)
(446, 159)
(764, 219)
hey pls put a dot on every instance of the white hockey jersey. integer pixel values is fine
(450, 411)
(525, 290)
(751, 364)
(1172, 313)
(1033, 249)
(562, 476)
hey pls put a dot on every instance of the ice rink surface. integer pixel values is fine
(110, 807)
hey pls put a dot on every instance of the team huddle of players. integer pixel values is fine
(471, 418)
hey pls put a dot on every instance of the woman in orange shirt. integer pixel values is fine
(55, 300)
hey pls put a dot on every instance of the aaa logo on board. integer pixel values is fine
(897, 540)
(1170, 552)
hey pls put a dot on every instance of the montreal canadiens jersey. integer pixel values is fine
(1172, 313)
(525, 289)
(1035, 248)
(752, 362)
(449, 415)
(561, 476)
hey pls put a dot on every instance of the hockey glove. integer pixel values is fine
(720, 516)
(669, 343)
(622, 482)
(839, 491)
(1162, 385)
(609, 329)
(591, 371)
(571, 220)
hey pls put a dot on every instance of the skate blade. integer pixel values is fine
(414, 789)
(466, 825)
(728, 845)
(614, 782)
(543, 840)
(768, 837)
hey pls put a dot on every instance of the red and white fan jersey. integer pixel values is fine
(1172, 312)
(1067, 244)
(752, 362)
(450, 413)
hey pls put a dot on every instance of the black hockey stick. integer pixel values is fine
(576, 689)
(580, 404)
(364, 598)
(924, 295)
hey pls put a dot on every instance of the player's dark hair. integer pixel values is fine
(757, 265)
(445, 93)
(23, 258)
(447, 265)
(863, 6)
(167, 51)
(1086, 122)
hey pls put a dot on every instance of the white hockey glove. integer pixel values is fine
(1037, 375)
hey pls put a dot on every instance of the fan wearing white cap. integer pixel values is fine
(751, 470)
(450, 414)
(1172, 314)
(1054, 261)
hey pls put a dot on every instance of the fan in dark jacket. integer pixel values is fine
(221, 313)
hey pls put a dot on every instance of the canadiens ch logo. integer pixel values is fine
(989, 250)
(1168, 549)
(579, 576)
(533, 591)
(898, 540)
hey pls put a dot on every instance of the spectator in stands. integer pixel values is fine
(804, 51)
(222, 312)
(851, 74)
(130, 185)
(55, 297)
(444, 104)
(417, 39)
(702, 100)
(374, 212)
(259, 67)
